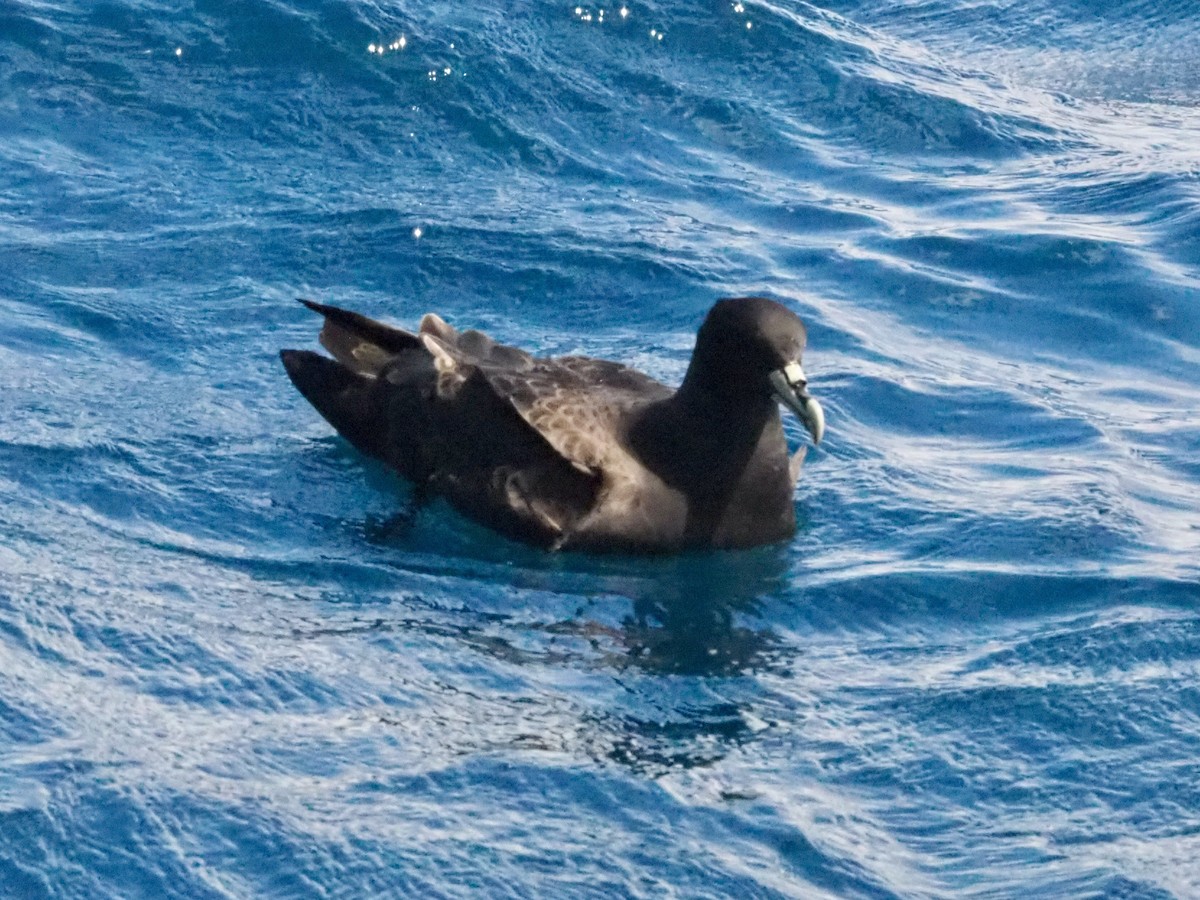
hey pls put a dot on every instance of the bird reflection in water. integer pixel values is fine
(688, 615)
(646, 620)
(686, 621)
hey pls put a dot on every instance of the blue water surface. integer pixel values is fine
(234, 664)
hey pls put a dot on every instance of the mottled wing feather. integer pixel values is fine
(614, 376)
(578, 405)
(474, 347)
(575, 403)
(582, 407)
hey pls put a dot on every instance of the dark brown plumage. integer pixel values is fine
(572, 452)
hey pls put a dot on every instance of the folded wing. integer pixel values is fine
(520, 442)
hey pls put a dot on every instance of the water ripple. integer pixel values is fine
(235, 662)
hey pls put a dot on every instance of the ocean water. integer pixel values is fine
(233, 663)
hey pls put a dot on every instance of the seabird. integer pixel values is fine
(575, 453)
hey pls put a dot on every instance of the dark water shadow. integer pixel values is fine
(690, 614)
(682, 637)
(699, 617)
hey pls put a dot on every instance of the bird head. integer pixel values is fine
(752, 344)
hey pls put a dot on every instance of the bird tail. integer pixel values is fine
(345, 398)
(361, 344)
